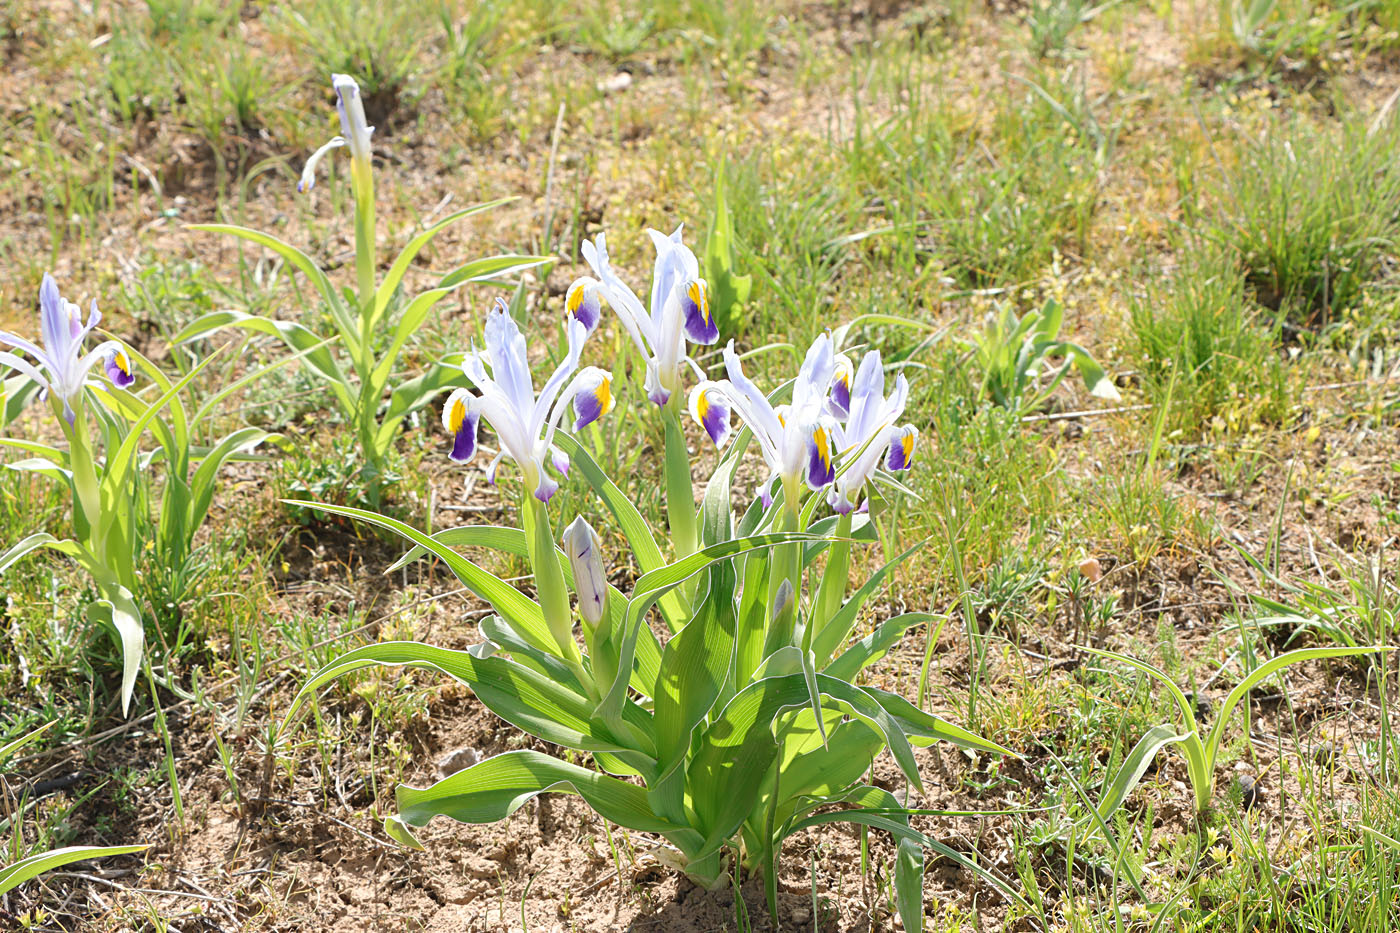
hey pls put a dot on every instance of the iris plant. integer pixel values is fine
(373, 324)
(735, 730)
(115, 527)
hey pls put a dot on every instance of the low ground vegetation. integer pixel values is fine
(1089, 627)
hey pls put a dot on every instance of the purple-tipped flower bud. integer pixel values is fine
(585, 553)
(782, 599)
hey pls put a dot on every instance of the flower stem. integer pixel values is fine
(549, 582)
(680, 491)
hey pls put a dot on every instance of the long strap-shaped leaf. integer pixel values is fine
(522, 612)
(924, 728)
(521, 696)
(651, 587)
(306, 345)
(629, 520)
(512, 541)
(1267, 670)
(1132, 770)
(493, 789)
(36, 541)
(118, 609)
(724, 777)
(16, 873)
(307, 267)
(416, 245)
(875, 811)
(874, 646)
(834, 634)
(694, 667)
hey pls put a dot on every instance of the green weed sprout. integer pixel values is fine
(1199, 748)
(746, 721)
(110, 494)
(22, 869)
(1012, 353)
(373, 324)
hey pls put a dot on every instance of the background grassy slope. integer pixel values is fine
(1215, 199)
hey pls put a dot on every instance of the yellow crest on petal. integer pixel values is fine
(457, 416)
(700, 296)
(604, 395)
(823, 443)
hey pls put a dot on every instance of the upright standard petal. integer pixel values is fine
(55, 325)
(623, 300)
(460, 416)
(510, 363)
(813, 383)
(840, 402)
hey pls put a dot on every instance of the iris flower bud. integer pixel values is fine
(585, 553)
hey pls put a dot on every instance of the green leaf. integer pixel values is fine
(395, 275)
(725, 776)
(1264, 672)
(412, 319)
(522, 697)
(303, 263)
(1134, 767)
(307, 345)
(16, 873)
(522, 612)
(33, 543)
(118, 611)
(120, 464)
(652, 586)
(493, 789)
(16, 392)
(512, 541)
(202, 484)
(874, 646)
(924, 728)
(492, 268)
(839, 627)
(880, 810)
(694, 666)
(9, 749)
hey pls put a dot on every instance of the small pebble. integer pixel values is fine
(1249, 791)
(618, 82)
(456, 760)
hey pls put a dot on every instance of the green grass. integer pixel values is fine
(1222, 228)
(1204, 348)
(1310, 214)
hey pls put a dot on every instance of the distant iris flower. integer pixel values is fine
(680, 308)
(60, 366)
(353, 132)
(796, 439)
(524, 423)
(866, 432)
